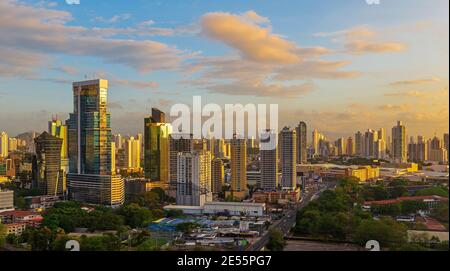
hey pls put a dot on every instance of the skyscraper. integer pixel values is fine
(238, 167)
(288, 161)
(315, 142)
(56, 128)
(269, 162)
(370, 137)
(446, 145)
(350, 147)
(133, 153)
(4, 144)
(359, 144)
(217, 175)
(399, 143)
(340, 146)
(90, 177)
(156, 147)
(417, 151)
(301, 143)
(179, 143)
(48, 176)
(194, 178)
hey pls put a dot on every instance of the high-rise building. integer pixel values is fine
(350, 147)
(399, 147)
(359, 140)
(113, 157)
(370, 137)
(288, 157)
(4, 142)
(269, 162)
(133, 153)
(217, 175)
(194, 178)
(340, 146)
(446, 144)
(58, 129)
(118, 141)
(238, 168)
(417, 151)
(179, 143)
(48, 176)
(436, 151)
(12, 144)
(156, 147)
(315, 142)
(301, 143)
(90, 177)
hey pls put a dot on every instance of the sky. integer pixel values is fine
(340, 66)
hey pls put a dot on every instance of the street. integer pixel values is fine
(288, 221)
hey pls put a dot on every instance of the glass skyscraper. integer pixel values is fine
(48, 175)
(90, 177)
(156, 147)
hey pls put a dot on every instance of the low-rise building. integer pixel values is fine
(31, 219)
(222, 208)
(276, 196)
(15, 228)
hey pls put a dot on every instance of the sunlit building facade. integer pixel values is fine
(156, 147)
(90, 177)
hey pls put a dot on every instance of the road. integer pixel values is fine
(289, 219)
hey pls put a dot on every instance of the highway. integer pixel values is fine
(289, 219)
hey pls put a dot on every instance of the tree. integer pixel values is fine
(412, 206)
(433, 191)
(386, 231)
(152, 244)
(2, 234)
(394, 209)
(135, 216)
(276, 240)
(441, 212)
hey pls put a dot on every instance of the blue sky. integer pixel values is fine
(341, 66)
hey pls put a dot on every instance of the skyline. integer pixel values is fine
(155, 55)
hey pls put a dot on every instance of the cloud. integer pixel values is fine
(396, 107)
(415, 82)
(115, 105)
(15, 62)
(361, 40)
(362, 46)
(314, 69)
(45, 31)
(262, 89)
(113, 19)
(251, 40)
(417, 94)
(135, 84)
(66, 69)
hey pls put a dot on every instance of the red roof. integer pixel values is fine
(400, 199)
(434, 225)
(18, 213)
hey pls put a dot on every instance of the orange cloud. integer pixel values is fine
(251, 40)
(415, 82)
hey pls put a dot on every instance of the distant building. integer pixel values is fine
(288, 155)
(417, 151)
(4, 144)
(276, 197)
(399, 147)
(6, 200)
(217, 175)
(359, 149)
(269, 162)
(301, 143)
(238, 168)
